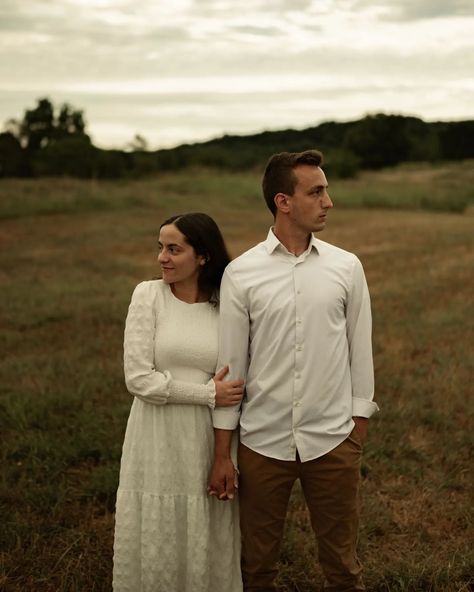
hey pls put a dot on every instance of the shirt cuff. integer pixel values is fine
(225, 419)
(363, 407)
(211, 402)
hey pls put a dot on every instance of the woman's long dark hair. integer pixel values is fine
(203, 234)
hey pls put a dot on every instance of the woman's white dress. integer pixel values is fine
(170, 536)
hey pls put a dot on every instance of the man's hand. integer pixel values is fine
(223, 479)
(361, 424)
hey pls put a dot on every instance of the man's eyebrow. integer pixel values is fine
(316, 187)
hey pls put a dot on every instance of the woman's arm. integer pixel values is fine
(142, 379)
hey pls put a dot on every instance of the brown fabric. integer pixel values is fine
(331, 489)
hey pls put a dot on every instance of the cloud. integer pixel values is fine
(188, 67)
(409, 10)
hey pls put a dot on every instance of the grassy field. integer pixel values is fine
(71, 253)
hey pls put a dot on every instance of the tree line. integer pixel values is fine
(51, 141)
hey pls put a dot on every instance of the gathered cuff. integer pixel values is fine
(211, 401)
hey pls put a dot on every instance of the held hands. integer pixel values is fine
(228, 392)
(223, 480)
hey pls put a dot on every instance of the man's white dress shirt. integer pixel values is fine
(298, 331)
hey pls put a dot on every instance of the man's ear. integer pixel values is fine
(281, 202)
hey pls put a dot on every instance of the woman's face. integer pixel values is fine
(178, 260)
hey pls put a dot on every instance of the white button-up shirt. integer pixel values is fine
(298, 331)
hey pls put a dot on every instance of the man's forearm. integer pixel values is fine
(222, 442)
(223, 477)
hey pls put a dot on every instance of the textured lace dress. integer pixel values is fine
(170, 536)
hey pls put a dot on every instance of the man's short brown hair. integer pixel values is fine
(279, 176)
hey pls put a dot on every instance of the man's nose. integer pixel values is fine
(327, 202)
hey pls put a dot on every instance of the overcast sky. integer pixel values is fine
(180, 71)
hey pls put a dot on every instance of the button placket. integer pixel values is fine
(298, 339)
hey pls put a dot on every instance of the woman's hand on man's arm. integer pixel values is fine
(228, 392)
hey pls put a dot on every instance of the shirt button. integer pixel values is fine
(298, 291)
(299, 348)
(298, 321)
(297, 375)
(296, 404)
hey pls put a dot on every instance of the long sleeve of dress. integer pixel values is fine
(141, 377)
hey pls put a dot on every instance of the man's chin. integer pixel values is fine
(320, 226)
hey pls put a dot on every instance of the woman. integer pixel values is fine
(170, 536)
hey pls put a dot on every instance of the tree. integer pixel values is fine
(40, 126)
(11, 156)
(37, 125)
(70, 122)
(40, 129)
(456, 139)
(73, 156)
(138, 144)
(378, 141)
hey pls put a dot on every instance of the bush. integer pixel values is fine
(12, 161)
(73, 156)
(341, 164)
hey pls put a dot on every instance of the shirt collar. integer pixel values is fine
(272, 242)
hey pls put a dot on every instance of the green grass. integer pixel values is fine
(66, 283)
(445, 187)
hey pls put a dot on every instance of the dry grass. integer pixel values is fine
(66, 283)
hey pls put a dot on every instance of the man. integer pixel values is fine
(295, 323)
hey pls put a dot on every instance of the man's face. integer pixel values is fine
(310, 201)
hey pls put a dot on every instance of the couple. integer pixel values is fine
(293, 323)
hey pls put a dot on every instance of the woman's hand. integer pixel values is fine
(223, 480)
(228, 392)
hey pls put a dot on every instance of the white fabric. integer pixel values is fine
(298, 330)
(170, 536)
